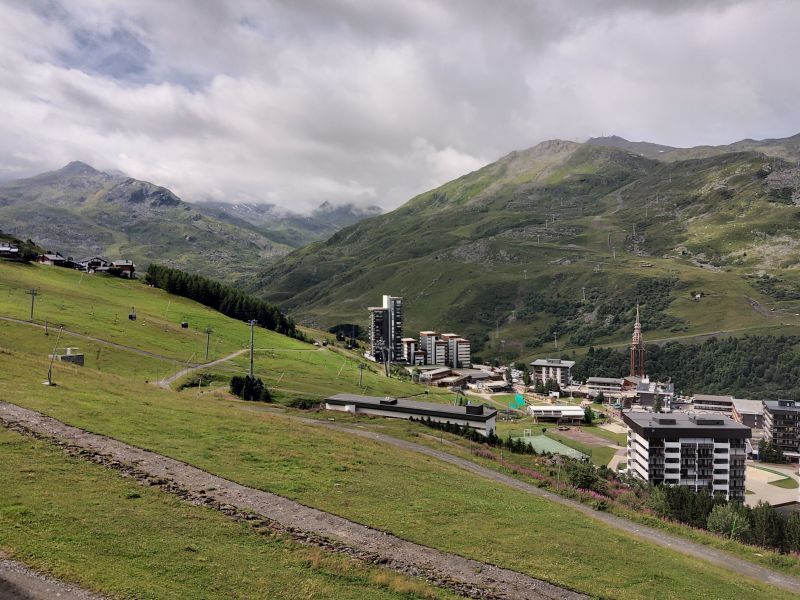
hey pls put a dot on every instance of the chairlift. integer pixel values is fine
(132, 314)
(184, 325)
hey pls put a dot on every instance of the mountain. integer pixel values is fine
(286, 227)
(81, 211)
(558, 244)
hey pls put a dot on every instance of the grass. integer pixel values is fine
(398, 491)
(599, 455)
(389, 489)
(86, 524)
(788, 483)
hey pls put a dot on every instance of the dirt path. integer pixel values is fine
(655, 536)
(307, 525)
(18, 582)
(168, 381)
(95, 339)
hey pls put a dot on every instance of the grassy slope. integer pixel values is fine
(88, 525)
(366, 481)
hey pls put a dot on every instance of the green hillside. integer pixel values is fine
(416, 497)
(82, 212)
(564, 240)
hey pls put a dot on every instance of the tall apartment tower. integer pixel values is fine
(701, 452)
(386, 329)
(637, 349)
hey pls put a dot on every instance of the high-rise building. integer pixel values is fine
(782, 426)
(637, 349)
(697, 451)
(458, 353)
(386, 330)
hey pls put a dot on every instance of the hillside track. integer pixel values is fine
(650, 534)
(269, 511)
(18, 582)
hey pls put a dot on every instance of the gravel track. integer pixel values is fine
(307, 525)
(18, 582)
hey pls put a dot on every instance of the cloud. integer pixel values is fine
(297, 103)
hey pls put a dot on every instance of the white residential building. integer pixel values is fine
(556, 369)
(697, 451)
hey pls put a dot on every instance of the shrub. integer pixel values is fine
(250, 388)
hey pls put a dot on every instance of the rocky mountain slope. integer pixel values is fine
(286, 227)
(558, 243)
(80, 211)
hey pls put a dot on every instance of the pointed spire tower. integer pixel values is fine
(637, 349)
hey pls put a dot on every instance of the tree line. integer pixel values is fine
(758, 367)
(223, 298)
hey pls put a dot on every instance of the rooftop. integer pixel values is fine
(782, 405)
(683, 423)
(712, 398)
(473, 412)
(553, 362)
(605, 380)
(753, 407)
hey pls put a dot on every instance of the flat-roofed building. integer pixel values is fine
(595, 385)
(782, 426)
(409, 348)
(712, 403)
(648, 393)
(386, 330)
(458, 353)
(477, 416)
(748, 412)
(558, 370)
(552, 412)
(701, 452)
(439, 356)
(427, 339)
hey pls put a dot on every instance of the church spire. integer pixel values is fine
(637, 348)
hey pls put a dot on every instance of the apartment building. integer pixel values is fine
(693, 450)
(458, 353)
(782, 426)
(556, 369)
(711, 403)
(386, 330)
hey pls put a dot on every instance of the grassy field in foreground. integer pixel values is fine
(414, 497)
(88, 525)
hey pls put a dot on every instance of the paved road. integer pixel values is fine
(305, 524)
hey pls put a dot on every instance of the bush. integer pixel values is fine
(250, 388)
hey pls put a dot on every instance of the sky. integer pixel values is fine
(299, 102)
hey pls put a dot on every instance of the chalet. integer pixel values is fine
(8, 251)
(123, 268)
(57, 260)
(477, 416)
(94, 264)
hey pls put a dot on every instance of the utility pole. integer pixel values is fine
(583, 289)
(252, 330)
(615, 253)
(361, 368)
(555, 338)
(52, 358)
(208, 332)
(32, 293)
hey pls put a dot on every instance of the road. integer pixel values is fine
(168, 381)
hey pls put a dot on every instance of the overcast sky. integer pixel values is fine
(373, 101)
